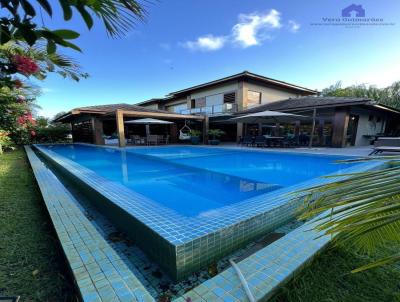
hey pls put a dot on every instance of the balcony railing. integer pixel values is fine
(212, 110)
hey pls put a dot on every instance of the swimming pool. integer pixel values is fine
(188, 206)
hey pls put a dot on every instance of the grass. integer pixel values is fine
(31, 261)
(327, 278)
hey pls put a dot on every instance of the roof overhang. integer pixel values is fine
(133, 113)
(246, 76)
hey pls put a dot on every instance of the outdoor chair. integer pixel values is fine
(135, 139)
(289, 141)
(247, 141)
(163, 139)
(386, 144)
(152, 139)
(259, 141)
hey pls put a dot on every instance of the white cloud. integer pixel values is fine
(252, 28)
(206, 43)
(294, 26)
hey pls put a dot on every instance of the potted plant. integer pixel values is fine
(195, 137)
(215, 133)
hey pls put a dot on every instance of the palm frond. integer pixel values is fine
(118, 16)
(360, 210)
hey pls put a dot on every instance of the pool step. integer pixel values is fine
(100, 274)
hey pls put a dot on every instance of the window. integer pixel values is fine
(200, 102)
(229, 97)
(253, 98)
(177, 108)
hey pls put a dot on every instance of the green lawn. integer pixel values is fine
(32, 265)
(328, 279)
(31, 260)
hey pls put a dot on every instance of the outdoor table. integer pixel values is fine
(276, 139)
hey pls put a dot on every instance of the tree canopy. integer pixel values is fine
(389, 96)
(19, 23)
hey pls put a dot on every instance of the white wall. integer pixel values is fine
(220, 89)
(366, 127)
(269, 95)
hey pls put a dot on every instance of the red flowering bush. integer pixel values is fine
(25, 65)
(26, 120)
(18, 84)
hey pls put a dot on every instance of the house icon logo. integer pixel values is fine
(358, 9)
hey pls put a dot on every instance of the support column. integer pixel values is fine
(239, 131)
(206, 126)
(173, 133)
(297, 131)
(340, 125)
(241, 98)
(97, 126)
(277, 129)
(259, 129)
(320, 131)
(120, 127)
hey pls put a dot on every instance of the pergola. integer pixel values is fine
(95, 115)
(120, 114)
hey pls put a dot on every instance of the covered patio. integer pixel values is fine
(92, 124)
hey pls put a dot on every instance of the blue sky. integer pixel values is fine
(184, 43)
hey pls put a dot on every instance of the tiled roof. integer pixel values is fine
(113, 107)
(310, 102)
(246, 75)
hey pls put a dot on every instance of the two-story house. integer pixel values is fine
(338, 121)
(221, 99)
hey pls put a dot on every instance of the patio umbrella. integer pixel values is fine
(269, 117)
(148, 122)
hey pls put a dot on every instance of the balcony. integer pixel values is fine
(212, 110)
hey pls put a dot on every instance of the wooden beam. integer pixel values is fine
(206, 126)
(340, 124)
(241, 97)
(97, 126)
(162, 115)
(239, 131)
(119, 115)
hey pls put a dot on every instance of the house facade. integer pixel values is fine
(338, 121)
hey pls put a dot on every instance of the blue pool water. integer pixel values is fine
(193, 180)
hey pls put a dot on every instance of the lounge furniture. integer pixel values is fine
(386, 144)
(272, 141)
(247, 141)
(260, 141)
(136, 140)
(163, 139)
(152, 139)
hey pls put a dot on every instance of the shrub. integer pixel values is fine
(52, 134)
(6, 142)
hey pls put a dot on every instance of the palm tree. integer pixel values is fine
(18, 19)
(48, 62)
(362, 211)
